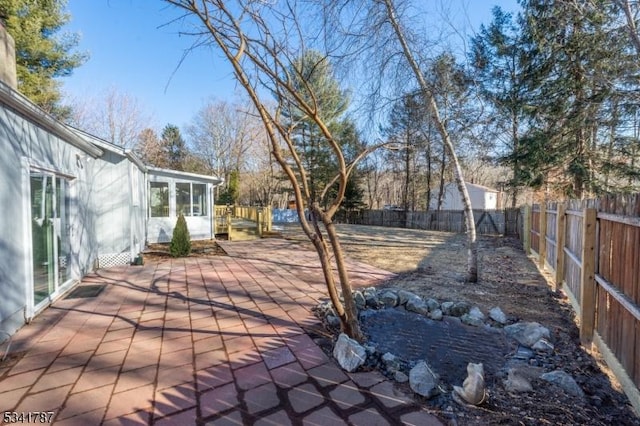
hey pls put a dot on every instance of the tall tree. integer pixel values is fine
(313, 79)
(409, 53)
(501, 64)
(174, 147)
(223, 135)
(406, 131)
(42, 53)
(150, 150)
(578, 63)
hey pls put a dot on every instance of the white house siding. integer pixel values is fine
(26, 146)
(111, 199)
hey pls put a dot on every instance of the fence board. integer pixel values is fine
(551, 237)
(587, 280)
(573, 250)
(535, 228)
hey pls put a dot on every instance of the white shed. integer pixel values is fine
(482, 197)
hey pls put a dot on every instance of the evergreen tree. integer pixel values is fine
(312, 76)
(230, 194)
(347, 134)
(180, 245)
(174, 147)
(42, 53)
(501, 72)
(578, 61)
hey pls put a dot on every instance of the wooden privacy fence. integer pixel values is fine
(506, 222)
(592, 248)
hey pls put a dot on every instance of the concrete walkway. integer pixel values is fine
(211, 340)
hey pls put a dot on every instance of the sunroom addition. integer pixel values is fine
(171, 193)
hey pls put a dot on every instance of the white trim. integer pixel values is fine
(185, 175)
(27, 251)
(31, 309)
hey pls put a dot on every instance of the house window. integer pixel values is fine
(159, 199)
(191, 199)
(199, 199)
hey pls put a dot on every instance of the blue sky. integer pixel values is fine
(132, 50)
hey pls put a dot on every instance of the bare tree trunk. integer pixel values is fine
(472, 255)
(350, 315)
(227, 34)
(442, 170)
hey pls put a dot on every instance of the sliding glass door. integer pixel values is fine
(50, 234)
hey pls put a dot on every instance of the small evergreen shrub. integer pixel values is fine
(181, 240)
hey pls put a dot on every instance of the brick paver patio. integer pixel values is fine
(212, 340)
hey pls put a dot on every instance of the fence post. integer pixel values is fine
(587, 281)
(228, 215)
(526, 230)
(542, 245)
(269, 219)
(560, 240)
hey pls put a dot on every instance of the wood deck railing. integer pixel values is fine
(233, 219)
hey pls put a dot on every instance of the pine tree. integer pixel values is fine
(174, 147)
(579, 64)
(181, 240)
(42, 53)
(501, 71)
(312, 75)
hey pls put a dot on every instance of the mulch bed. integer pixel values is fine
(199, 248)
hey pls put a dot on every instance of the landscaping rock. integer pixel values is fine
(359, 299)
(527, 333)
(349, 353)
(333, 321)
(388, 298)
(436, 315)
(475, 317)
(563, 380)
(400, 377)
(471, 320)
(475, 312)
(446, 308)
(458, 309)
(432, 304)
(517, 382)
(404, 296)
(418, 306)
(423, 380)
(371, 297)
(523, 353)
(498, 316)
(543, 345)
(391, 362)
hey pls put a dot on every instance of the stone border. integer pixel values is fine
(531, 337)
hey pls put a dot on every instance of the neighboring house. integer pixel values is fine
(72, 202)
(482, 198)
